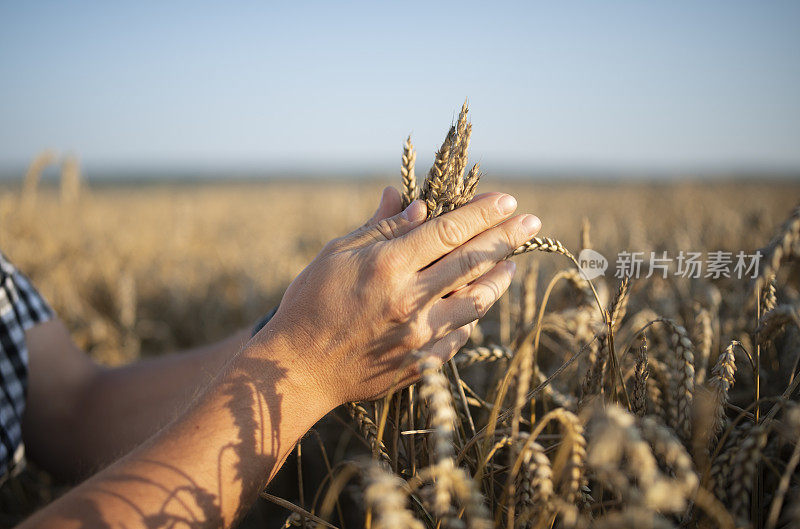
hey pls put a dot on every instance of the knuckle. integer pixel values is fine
(402, 309)
(386, 261)
(487, 215)
(514, 237)
(464, 334)
(332, 245)
(376, 267)
(482, 301)
(412, 340)
(450, 232)
(386, 229)
(471, 261)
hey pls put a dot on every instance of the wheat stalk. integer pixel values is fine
(70, 180)
(33, 175)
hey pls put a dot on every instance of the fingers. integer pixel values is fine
(445, 348)
(473, 301)
(479, 255)
(443, 234)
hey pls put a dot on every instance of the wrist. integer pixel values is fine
(273, 360)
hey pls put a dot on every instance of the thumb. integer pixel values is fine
(389, 206)
(391, 227)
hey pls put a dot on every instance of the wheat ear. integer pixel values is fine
(776, 319)
(722, 380)
(435, 184)
(410, 190)
(470, 185)
(461, 152)
(543, 244)
(682, 381)
(477, 355)
(782, 246)
(702, 337)
(435, 389)
(619, 304)
(536, 483)
(368, 429)
(641, 372)
(386, 500)
(743, 471)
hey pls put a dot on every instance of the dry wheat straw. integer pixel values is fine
(528, 299)
(70, 184)
(34, 173)
(585, 234)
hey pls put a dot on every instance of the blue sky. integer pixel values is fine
(650, 86)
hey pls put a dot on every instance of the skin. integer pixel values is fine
(203, 432)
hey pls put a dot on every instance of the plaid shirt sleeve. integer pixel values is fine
(21, 307)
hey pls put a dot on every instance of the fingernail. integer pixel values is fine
(507, 204)
(532, 224)
(415, 211)
(512, 267)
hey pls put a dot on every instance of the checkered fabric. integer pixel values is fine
(21, 307)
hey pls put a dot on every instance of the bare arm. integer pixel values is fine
(343, 333)
(207, 465)
(80, 416)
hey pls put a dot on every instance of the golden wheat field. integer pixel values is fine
(634, 405)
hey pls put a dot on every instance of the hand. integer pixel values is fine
(395, 285)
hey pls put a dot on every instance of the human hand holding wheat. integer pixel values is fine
(395, 285)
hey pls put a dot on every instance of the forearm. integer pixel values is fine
(115, 409)
(208, 464)
(133, 402)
